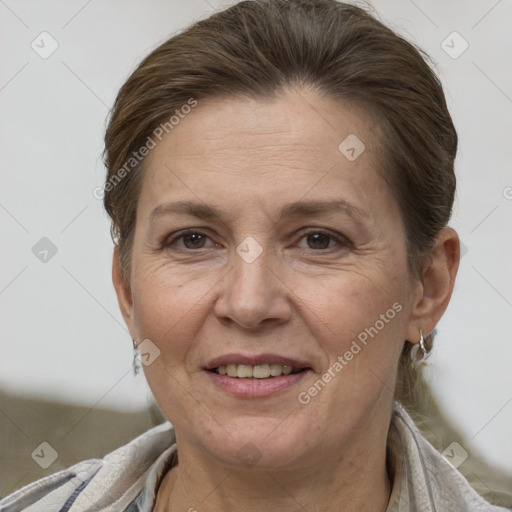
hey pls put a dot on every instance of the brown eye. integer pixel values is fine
(322, 241)
(194, 240)
(318, 240)
(187, 240)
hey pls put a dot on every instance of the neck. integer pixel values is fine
(352, 478)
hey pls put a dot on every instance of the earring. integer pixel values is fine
(136, 359)
(414, 351)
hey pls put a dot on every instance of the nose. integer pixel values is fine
(253, 295)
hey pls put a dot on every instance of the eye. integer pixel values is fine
(191, 240)
(315, 240)
(321, 240)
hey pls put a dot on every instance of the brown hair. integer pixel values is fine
(257, 48)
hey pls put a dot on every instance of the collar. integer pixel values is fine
(128, 478)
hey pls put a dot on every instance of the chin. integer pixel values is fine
(262, 442)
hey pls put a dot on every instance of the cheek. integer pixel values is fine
(359, 317)
(169, 309)
(349, 301)
(170, 306)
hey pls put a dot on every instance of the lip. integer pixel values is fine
(253, 360)
(255, 388)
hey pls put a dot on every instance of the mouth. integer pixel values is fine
(256, 376)
(259, 371)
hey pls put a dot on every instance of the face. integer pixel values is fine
(259, 241)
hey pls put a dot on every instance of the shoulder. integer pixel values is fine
(427, 481)
(118, 477)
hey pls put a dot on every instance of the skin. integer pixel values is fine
(304, 296)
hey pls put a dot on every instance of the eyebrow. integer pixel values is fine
(292, 210)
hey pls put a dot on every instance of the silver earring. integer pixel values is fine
(414, 351)
(136, 359)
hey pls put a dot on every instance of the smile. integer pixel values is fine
(259, 371)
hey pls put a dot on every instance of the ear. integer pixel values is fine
(123, 291)
(436, 285)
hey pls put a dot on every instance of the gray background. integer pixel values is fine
(62, 335)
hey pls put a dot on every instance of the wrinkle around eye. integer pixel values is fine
(175, 243)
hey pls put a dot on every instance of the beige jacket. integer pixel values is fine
(127, 479)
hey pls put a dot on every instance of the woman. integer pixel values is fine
(280, 179)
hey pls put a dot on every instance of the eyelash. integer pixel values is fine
(342, 241)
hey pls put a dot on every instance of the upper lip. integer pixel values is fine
(254, 360)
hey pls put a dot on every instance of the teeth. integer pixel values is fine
(259, 371)
(276, 370)
(244, 371)
(287, 369)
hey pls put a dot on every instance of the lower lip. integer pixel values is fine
(254, 388)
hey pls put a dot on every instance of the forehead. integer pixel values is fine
(293, 117)
(272, 149)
